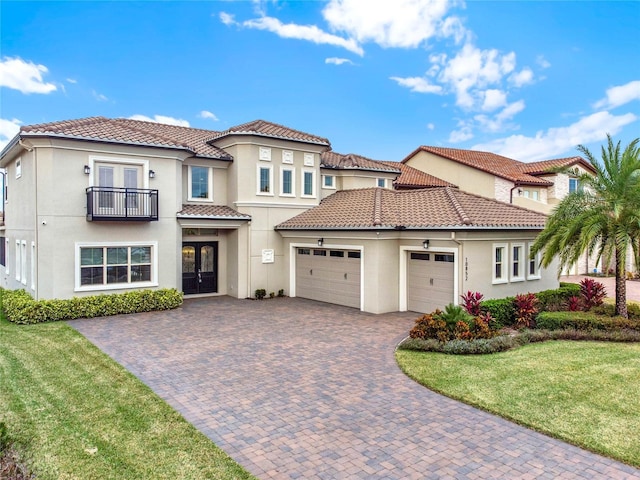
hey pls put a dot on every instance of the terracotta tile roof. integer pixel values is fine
(219, 212)
(131, 132)
(431, 208)
(492, 163)
(351, 161)
(268, 129)
(413, 178)
(539, 168)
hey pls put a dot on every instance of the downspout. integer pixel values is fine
(515, 185)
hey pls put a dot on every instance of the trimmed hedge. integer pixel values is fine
(502, 310)
(19, 307)
(584, 321)
(558, 298)
(609, 309)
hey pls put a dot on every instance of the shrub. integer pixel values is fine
(585, 321)
(453, 314)
(502, 311)
(19, 307)
(574, 304)
(430, 325)
(453, 323)
(281, 292)
(471, 301)
(633, 309)
(260, 293)
(557, 299)
(592, 293)
(526, 307)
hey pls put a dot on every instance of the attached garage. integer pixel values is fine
(430, 281)
(328, 275)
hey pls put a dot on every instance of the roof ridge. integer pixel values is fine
(377, 207)
(150, 122)
(456, 205)
(56, 125)
(157, 135)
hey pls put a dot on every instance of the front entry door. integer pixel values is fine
(199, 267)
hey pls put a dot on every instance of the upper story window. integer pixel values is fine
(381, 182)
(574, 185)
(308, 183)
(200, 183)
(329, 181)
(287, 182)
(500, 265)
(265, 180)
(18, 168)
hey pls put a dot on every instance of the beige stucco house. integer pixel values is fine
(102, 205)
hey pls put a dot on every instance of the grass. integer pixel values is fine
(73, 413)
(586, 393)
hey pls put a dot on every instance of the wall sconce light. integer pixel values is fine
(152, 174)
(425, 244)
(320, 241)
(87, 169)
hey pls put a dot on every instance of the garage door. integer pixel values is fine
(429, 281)
(328, 275)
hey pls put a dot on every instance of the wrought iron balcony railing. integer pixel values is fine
(121, 204)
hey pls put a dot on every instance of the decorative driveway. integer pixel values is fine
(292, 388)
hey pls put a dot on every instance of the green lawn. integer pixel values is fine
(76, 414)
(586, 393)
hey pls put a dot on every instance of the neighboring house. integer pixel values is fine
(537, 185)
(102, 205)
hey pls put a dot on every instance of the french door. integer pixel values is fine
(199, 267)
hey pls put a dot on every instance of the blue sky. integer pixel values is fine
(529, 80)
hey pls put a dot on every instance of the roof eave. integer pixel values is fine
(258, 134)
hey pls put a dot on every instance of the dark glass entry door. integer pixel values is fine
(199, 267)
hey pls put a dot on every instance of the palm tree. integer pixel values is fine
(603, 216)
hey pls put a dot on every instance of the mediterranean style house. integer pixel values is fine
(101, 205)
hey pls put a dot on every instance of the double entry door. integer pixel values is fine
(199, 267)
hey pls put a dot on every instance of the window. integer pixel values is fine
(533, 270)
(328, 181)
(200, 183)
(304, 251)
(3, 252)
(265, 154)
(18, 168)
(336, 253)
(6, 255)
(381, 182)
(353, 255)
(420, 256)
(33, 266)
(500, 274)
(18, 263)
(440, 257)
(23, 262)
(517, 262)
(265, 179)
(115, 265)
(526, 193)
(320, 253)
(287, 182)
(574, 185)
(535, 195)
(308, 183)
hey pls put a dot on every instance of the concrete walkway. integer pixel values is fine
(633, 286)
(292, 388)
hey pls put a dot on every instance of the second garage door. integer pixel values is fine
(328, 275)
(429, 281)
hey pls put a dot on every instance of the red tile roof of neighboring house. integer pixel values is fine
(431, 208)
(132, 132)
(219, 212)
(274, 130)
(413, 178)
(492, 163)
(351, 161)
(546, 166)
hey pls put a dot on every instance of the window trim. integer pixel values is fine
(381, 180)
(23, 261)
(333, 182)
(537, 275)
(522, 273)
(18, 262)
(116, 286)
(313, 183)
(505, 263)
(293, 181)
(118, 161)
(6, 253)
(190, 196)
(259, 167)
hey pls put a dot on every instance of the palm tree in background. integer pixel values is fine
(603, 216)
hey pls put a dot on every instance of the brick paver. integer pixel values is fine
(292, 388)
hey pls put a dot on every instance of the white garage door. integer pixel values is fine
(328, 275)
(429, 281)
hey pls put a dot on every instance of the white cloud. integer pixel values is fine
(418, 84)
(303, 32)
(24, 76)
(8, 129)
(72, 80)
(209, 115)
(523, 77)
(559, 140)
(99, 97)
(227, 18)
(462, 135)
(542, 62)
(500, 122)
(401, 23)
(337, 61)
(494, 99)
(161, 119)
(430, 126)
(620, 95)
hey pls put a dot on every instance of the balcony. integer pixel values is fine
(121, 204)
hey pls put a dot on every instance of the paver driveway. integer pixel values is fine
(292, 388)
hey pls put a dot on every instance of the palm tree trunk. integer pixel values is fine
(621, 285)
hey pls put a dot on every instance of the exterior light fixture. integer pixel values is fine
(152, 174)
(87, 169)
(425, 244)
(320, 241)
